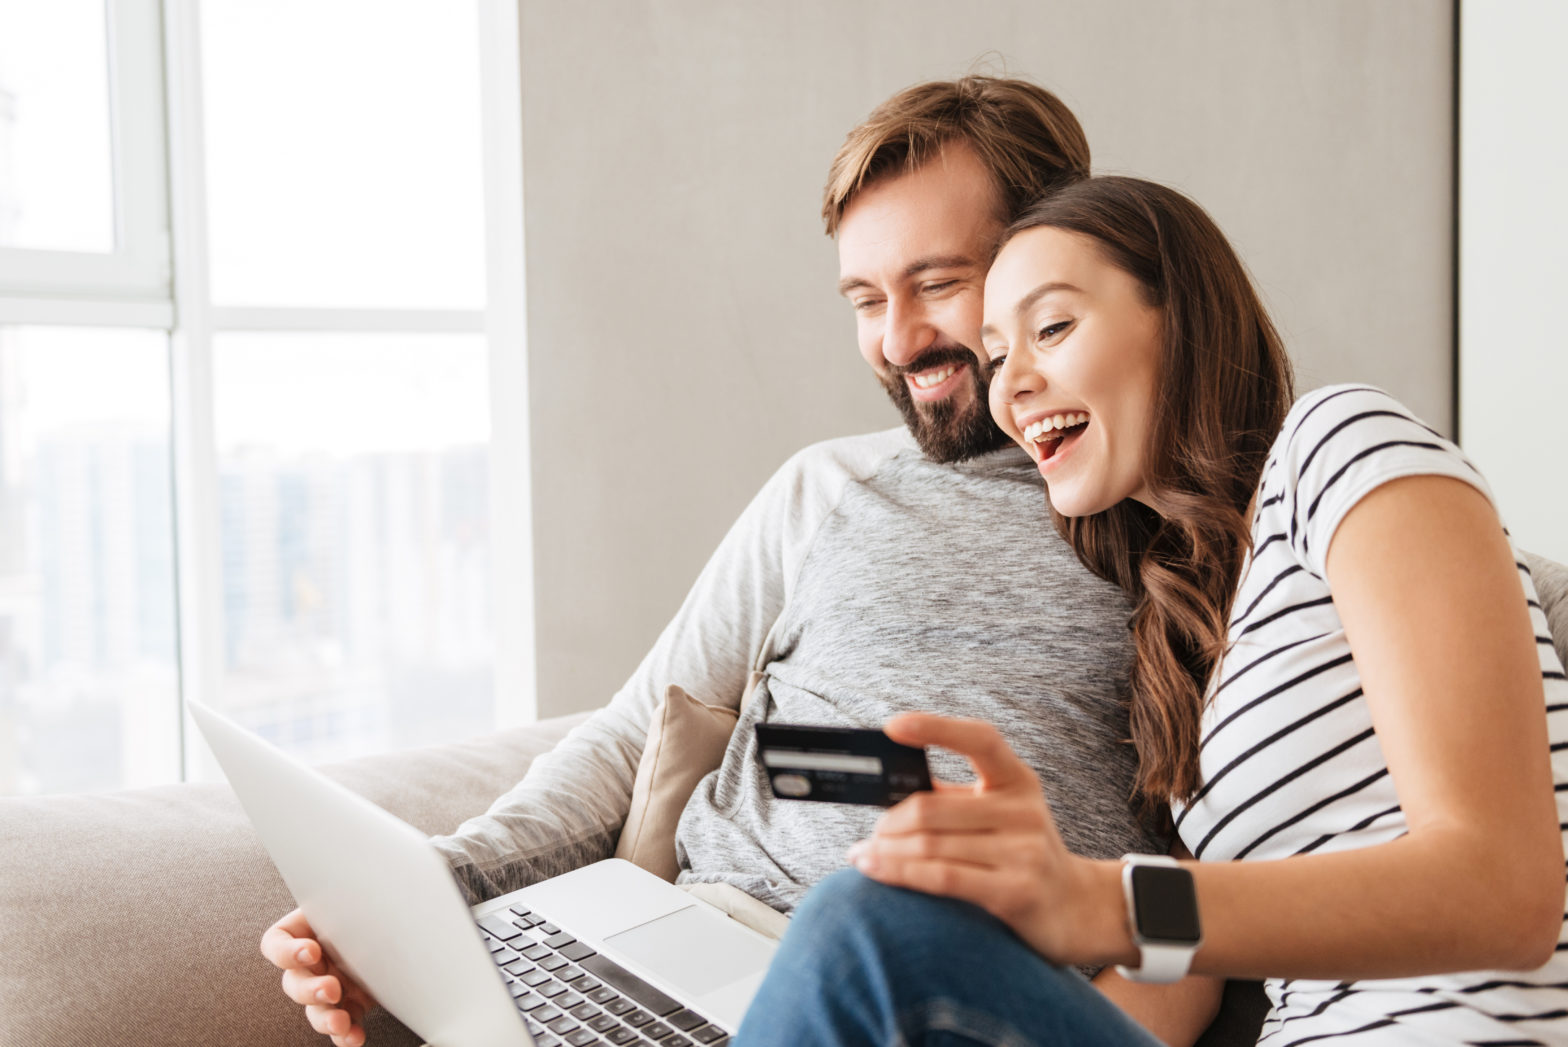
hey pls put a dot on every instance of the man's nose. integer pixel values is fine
(906, 334)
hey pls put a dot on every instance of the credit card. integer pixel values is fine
(840, 764)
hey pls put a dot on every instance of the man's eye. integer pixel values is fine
(865, 305)
(1052, 330)
(938, 286)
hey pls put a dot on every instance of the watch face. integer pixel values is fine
(1165, 904)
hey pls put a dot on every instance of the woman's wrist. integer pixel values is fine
(1099, 933)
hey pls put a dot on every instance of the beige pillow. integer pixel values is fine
(686, 740)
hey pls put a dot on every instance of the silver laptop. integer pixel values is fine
(605, 954)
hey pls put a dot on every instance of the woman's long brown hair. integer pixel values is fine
(1224, 391)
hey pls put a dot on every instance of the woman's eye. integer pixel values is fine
(1052, 330)
(993, 367)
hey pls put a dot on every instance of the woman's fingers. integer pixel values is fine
(950, 879)
(955, 811)
(983, 850)
(994, 761)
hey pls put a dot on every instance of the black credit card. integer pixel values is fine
(840, 764)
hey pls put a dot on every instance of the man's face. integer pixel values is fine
(912, 251)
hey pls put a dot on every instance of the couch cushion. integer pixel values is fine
(685, 742)
(1551, 584)
(134, 917)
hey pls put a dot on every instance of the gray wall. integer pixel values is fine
(1514, 264)
(684, 334)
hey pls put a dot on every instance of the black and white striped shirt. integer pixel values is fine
(1290, 761)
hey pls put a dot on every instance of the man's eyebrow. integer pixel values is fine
(913, 269)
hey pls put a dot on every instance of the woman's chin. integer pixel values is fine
(1072, 504)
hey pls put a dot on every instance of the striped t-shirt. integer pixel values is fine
(1290, 761)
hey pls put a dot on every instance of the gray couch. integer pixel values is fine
(133, 917)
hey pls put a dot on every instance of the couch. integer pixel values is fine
(133, 917)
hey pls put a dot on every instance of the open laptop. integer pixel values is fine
(605, 954)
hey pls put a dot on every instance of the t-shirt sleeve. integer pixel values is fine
(568, 810)
(1341, 443)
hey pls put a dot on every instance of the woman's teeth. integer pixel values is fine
(929, 379)
(1053, 428)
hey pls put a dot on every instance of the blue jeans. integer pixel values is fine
(863, 963)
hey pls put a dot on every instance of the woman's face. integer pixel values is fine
(1075, 350)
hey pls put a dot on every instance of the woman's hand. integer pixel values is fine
(995, 844)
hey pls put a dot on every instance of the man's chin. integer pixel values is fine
(950, 430)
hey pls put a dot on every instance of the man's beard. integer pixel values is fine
(945, 431)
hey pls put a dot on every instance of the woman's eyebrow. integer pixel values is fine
(1027, 302)
(1051, 287)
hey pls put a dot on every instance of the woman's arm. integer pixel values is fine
(1177, 1013)
(1425, 584)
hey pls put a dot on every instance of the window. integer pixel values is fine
(245, 439)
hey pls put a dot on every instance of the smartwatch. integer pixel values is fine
(1162, 909)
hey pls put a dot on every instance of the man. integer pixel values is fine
(872, 575)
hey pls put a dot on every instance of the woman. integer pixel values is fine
(1344, 696)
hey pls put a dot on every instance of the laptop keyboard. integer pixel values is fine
(570, 994)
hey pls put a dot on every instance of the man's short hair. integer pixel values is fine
(1028, 140)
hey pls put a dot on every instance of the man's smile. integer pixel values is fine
(937, 383)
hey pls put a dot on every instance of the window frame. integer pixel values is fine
(138, 269)
(159, 278)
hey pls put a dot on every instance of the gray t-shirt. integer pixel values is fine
(864, 580)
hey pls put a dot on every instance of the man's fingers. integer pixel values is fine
(329, 1021)
(355, 1037)
(345, 1028)
(291, 943)
(354, 994)
(309, 989)
(994, 760)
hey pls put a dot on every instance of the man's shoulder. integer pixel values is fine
(851, 457)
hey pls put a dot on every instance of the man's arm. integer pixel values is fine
(569, 808)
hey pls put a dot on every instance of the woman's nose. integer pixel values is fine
(1017, 380)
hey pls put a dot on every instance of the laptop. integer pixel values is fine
(606, 954)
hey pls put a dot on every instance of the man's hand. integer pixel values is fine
(334, 1003)
(993, 843)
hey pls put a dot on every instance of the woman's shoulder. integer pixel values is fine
(1338, 425)
(1330, 410)
(1338, 444)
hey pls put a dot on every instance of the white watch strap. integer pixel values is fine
(1161, 964)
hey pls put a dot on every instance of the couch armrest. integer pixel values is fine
(134, 917)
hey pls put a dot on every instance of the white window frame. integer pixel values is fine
(159, 278)
(137, 270)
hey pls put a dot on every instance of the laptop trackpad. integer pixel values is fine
(696, 950)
